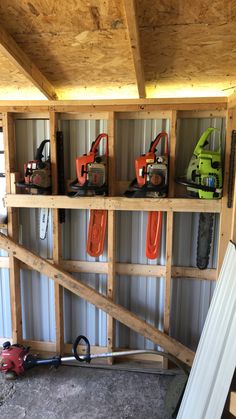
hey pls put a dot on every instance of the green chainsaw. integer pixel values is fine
(204, 180)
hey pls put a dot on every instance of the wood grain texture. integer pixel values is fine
(133, 33)
(113, 203)
(23, 63)
(12, 227)
(83, 47)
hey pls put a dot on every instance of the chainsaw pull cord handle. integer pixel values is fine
(202, 142)
(81, 357)
(39, 152)
(156, 141)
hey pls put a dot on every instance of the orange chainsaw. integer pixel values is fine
(91, 171)
(151, 181)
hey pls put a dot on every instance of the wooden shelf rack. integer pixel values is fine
(112, 111)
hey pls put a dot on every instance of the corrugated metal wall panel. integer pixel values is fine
(5, 305)
(37, 291)
(143, 295)
(80, 316)
(191, 298)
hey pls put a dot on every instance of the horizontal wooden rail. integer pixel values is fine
(120, 105)
(129, 269)
(115, 310)
(113, 203)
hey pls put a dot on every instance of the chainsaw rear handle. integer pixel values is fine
(39, 152)
(79, 357)
(95, 144)
(202, 142)
(156, 141)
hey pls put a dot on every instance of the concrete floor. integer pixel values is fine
(73, 393)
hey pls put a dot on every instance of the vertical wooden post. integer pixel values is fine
(173, 122)
(226, 213)
(167, 297)
(57, 243)
(111, 253)
(233, 229)
(169, 227)
(13, 227)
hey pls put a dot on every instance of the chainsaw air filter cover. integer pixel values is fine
(96, 175)
(157, 174)
(38, 174)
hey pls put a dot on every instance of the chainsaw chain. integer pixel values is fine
(205, 230)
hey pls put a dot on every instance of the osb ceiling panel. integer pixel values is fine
(11, 76)
(188, 45)
(83, 45)
(76, 44)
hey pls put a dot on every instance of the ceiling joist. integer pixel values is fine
(132, 25)
(17, 56)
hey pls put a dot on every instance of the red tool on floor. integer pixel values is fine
(16, 359)
(91, 170)
(151, 181)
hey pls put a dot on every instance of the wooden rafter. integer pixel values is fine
(115, 310)
(17, 56)
(132, 24)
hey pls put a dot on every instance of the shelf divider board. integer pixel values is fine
(57, 243)
(226, 213)
(167, 296)
(111, 244)
(233, 229)
(172, 146)
(13, 227)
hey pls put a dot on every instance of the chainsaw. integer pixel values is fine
(204, 180)
(151, 181)
(37, 180)
(91, 171)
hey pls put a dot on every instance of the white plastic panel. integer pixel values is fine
(214, 363)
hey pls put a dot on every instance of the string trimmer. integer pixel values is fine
(204, 181)
(16, 359)
(91, 170)
(151, 181)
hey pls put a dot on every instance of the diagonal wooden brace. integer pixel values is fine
(115, 310)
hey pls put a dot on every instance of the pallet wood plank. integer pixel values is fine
(13, 227)
(173, 122)
(226, 213)
(133, 269)
(111, 249)
(115, 310)
(58, 290)
(115, 203)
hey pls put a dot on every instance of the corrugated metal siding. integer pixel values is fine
(80, 316)
(143, 295)
(37, 291)
(191, 298)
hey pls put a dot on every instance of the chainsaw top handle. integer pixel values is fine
(81, 357)
(95, 144)
(155, 142)
(202, 142)
(39, 152)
